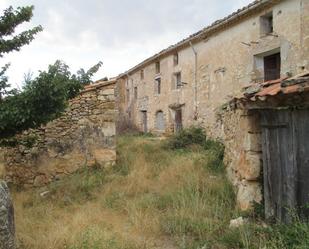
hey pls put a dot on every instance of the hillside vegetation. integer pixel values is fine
(161, 194)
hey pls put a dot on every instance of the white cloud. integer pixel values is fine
(121, 34)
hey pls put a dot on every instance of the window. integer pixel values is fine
(178, 82)
(266, 23)
(142, 74)
(176, 59)
(272, 65)
(158, 86)
(135, 92)
(158, 67)
(128, 95)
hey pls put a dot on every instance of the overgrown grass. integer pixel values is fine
(156, 197)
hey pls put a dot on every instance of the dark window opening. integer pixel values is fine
(267, 25)
(178, 80)
(158, 86)
(158, 67)
(176, 59)
(272, 65)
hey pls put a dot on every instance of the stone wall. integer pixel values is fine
(84, 135)
(243, 155)
(226, 61)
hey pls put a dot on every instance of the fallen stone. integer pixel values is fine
(44, 194)
(239, 222)
(248, 193)
(7, 226)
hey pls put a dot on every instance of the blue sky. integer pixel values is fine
(119, 33)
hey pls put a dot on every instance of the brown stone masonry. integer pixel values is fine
(83, 136)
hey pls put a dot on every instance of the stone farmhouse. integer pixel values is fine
(261, 48)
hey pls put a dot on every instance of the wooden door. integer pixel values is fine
(301, 121)
(160, 124)
(285, 162)
(178, 120)
(144, 121)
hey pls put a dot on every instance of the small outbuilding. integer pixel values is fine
(281, 110)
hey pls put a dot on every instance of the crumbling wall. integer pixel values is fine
(84, 135)
(243, 155)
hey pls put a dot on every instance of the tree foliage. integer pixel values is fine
(42, 99)
(85, 76)
(4, 85)
(9, 41)
(8, 22)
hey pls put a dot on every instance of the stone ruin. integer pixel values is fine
(83, 136)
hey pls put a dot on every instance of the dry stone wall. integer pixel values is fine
(243, 155)
(83, 136)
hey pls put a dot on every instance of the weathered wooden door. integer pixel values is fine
(178, 120)
(160, 124)
(285, 162)
(144, 121)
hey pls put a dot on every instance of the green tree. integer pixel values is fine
(85, 76)
(8, 22)
(9, 41)
(42, 99)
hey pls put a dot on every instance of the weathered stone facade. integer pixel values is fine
(243, 154)
(214, 65)
(84, 135)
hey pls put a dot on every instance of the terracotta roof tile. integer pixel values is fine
(293, 85)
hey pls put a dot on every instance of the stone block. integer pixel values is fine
(252, 142)
(109, 129)
(107, 92)
(7, 225)
(249, 166)
(40, 180)
(103, 156)
(249, 192)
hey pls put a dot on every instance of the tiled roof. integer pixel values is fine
(251, 8)
(98, 84)
(273, 88)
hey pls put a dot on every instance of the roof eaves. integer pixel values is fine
(208, 31)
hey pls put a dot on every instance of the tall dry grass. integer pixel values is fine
(154, 197)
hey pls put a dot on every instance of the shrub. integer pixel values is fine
(42, 99)
(187, 137)
(215, 155)
(125, 126)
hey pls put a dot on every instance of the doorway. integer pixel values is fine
(178, 120)
(144, 121)
(160, 123)
(285, 148)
